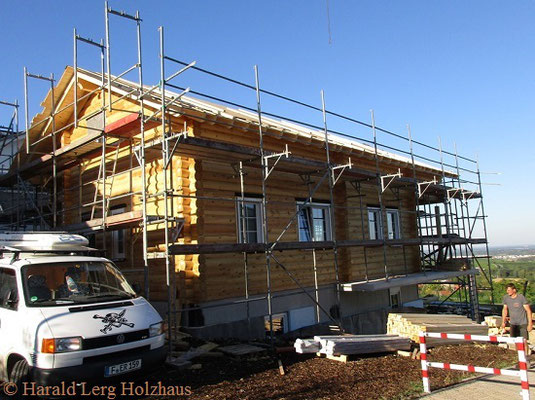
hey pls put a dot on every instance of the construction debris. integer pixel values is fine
(281, 367)
(410, 326)
(238, 350)
(184, 358)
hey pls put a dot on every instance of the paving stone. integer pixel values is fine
(485, 388)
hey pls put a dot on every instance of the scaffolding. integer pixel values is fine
(10, 140)
(448, 210)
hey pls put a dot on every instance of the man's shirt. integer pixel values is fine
(517, 313)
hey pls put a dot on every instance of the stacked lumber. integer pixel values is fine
(363, 345)
(334, 345)
(410, 326)
(494, 323)
(306, 346)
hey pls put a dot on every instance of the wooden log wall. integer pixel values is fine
(210, 277)
(127, 180)
(397, 258)
(223, 276)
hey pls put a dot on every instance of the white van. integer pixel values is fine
(66, 317)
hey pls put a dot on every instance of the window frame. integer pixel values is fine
(396, 223)
(392, 216)
(301, 206)
(378, 223)
(259, 217)
(117, 236)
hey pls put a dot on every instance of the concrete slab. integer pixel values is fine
(411, 279)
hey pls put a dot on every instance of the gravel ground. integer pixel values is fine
(309, 377)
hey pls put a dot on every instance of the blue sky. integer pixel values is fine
(455, 69)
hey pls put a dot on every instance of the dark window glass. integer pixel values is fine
(8, 289)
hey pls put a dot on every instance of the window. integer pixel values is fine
(81, 282)
(392, 222)
(375, 223)
(314, 222)
(118, 242)
(8, 289)
(395, 297)
(249, 217)
(280, 323)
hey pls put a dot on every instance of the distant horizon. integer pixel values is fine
(511, 245)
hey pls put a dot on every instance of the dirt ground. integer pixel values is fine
(309, 377)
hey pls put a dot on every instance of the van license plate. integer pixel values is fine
(122, 368)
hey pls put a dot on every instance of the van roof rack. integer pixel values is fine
(42, 242)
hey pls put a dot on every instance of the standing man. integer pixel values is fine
(519, 312)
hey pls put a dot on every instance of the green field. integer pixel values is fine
(503, 272)
(517, 272)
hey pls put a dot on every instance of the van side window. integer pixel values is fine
(9, 296)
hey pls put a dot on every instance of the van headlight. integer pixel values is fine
(156, 329)
(61, 345)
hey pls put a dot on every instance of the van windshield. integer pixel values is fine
(84, 282)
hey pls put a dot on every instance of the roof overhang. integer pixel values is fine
(406, 280)
(188, 106)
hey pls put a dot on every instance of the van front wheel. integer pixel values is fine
(20, 373)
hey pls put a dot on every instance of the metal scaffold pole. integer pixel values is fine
(165, 156)
(380, 195)
(445, 202)
(332, 211)
(243, 233)
(141, 160)
(487, 254)
(54, 158)
(11, 141)
(265, 230)
(50, 121)
(108, 57)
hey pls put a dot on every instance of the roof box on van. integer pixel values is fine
(42, 241)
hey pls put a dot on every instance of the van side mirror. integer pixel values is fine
(137, 288)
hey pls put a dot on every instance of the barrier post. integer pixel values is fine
(423, 358)
(521, 346)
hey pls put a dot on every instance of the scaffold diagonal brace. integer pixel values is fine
(277, 157)
(342, 168)
(159, 85)
(425, 185)
(170, 155)
(389, 179)
(454, 191)
(165, 106)
(468, 194)
(192, 64)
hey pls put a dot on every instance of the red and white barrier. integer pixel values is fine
(519, 342)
